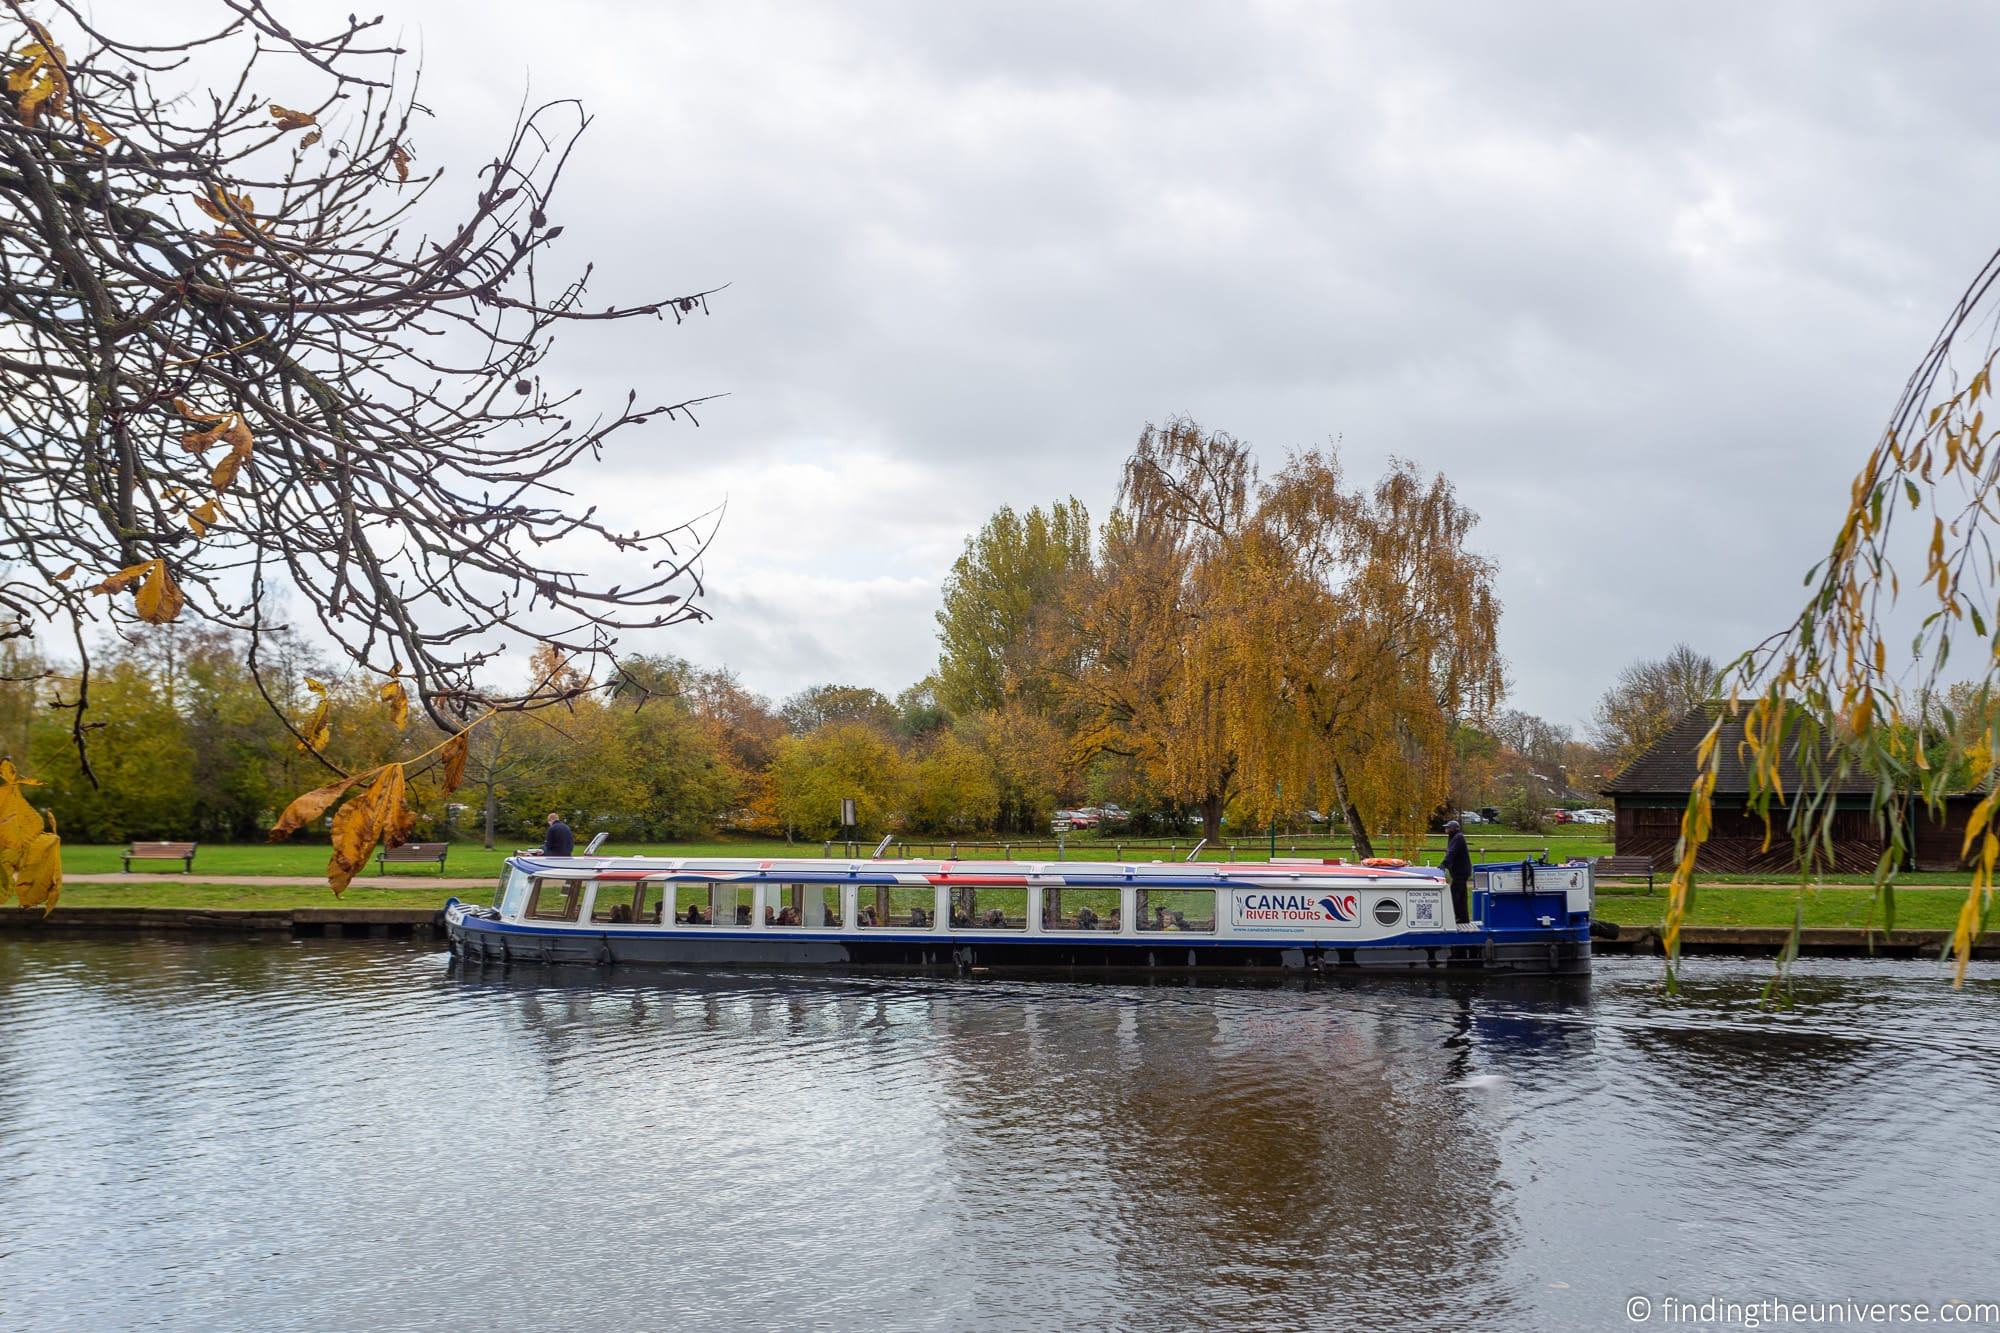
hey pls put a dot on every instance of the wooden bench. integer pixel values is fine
(161, 851)
(1624, 867)
(413, 853)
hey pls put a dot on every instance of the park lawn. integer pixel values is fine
(1831, 906)
(253, 897)
(1715, 905)
(464, 861)
(471, 861)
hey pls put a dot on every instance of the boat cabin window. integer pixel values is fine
(811, 906)
(895, 907)
(976, 907)
(1081, 909)
(555, 900)
(617, 902)
(652, 899)
(515, 884)
(712, 904)
(1175, 909)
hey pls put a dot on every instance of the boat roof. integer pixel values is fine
(974, 873)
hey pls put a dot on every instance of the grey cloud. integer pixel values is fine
(1642, 281)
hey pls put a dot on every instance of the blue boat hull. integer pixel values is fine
(1556, 952)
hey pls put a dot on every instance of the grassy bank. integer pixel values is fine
(1715, 905)
(250, 897)
(472, 860)
(1727, 905)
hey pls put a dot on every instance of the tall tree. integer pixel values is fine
(1150, 672)
(1650, 696)
(1368, 629)
(825, 705)
(1003, 591)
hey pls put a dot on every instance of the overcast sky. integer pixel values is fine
(1643, 281)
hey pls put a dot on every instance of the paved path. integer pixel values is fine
(288, 881)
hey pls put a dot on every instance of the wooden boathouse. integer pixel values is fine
(1650, 793)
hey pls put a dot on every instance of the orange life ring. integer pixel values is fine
(1390, 862)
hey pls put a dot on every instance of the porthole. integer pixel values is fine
(1388, 911)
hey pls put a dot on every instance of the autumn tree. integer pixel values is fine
(1369, 630)
(812, 773)
(1150, 673)
(1845, 689)
(1649, 697)
(255, 344)
(211, 386)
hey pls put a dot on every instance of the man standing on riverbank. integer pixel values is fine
(1457, 865)
(558, 841)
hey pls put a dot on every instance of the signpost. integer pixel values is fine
(847, 822)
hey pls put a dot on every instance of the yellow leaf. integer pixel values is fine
(125, 577)
(97, 132)
(365, 820)
(65, 576)
(400, 157)
(38, 878)
(226, 468)
(195, 441)
(398, 699)
(451, 762)
(291, 120)
(159, 598)
(204, 518)
(18, 821)
(310, 139)
(318, 730)
(305, 809)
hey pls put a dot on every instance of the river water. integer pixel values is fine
(364, 1135)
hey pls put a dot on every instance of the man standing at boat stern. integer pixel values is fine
(558, 841)
(1457, 866)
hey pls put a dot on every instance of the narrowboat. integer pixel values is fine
(1280, 915)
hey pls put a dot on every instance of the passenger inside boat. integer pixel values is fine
(743, 914)
(919, 917)
(694, 916)
(868, 916)
(1086, 919)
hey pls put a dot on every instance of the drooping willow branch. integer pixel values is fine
(245, 346)
(1839, 694)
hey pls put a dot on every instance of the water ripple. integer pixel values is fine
(272, 1136)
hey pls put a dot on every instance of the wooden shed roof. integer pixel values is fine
(1669, 765)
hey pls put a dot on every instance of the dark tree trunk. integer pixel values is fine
(1211, 816)
(1363, 848)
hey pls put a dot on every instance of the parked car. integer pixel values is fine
(1556, 815)
(1470, 817)
(1590, 817)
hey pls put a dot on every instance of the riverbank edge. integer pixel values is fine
(428, 923)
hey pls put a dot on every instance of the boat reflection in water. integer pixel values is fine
(1294, 916)
(1170, 1148)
